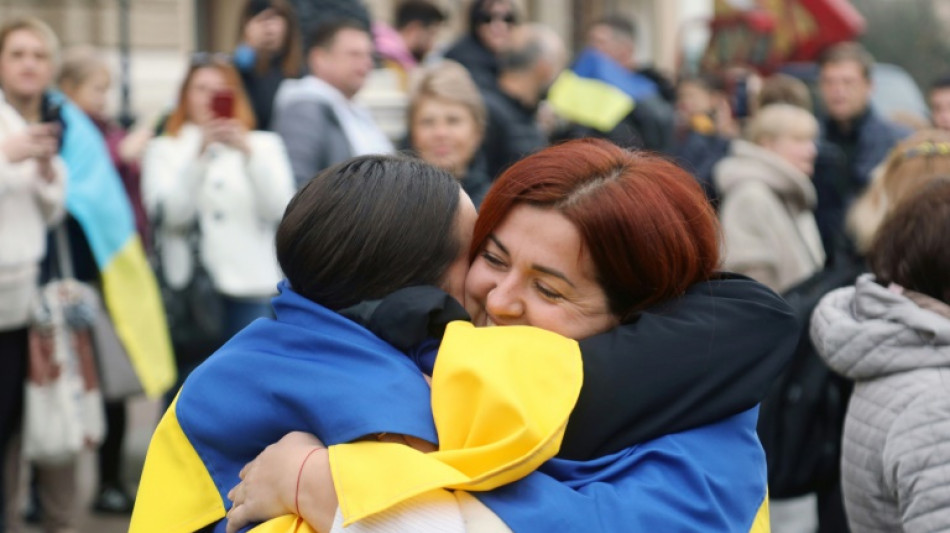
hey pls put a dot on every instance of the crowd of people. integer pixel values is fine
(643, 231)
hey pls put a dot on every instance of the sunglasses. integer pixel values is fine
(202, 59)
(488, 18)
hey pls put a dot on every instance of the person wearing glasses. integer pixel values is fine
(489, 32)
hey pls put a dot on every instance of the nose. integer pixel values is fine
(504, 302)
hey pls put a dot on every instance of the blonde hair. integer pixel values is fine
(446, 81)
(38, 28)
(79, 63)
(779, 120)
(912, 164)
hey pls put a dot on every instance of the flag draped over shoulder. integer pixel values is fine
(311, 369)
(96, 198)
(598, 92)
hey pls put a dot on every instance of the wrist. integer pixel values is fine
(316, 499)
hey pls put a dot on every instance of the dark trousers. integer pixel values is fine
(110, 452)
(13, 357)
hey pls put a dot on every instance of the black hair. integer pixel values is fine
(943, 82)
(620, 25)
(479, 8)
(325, 33)
(426, 13)
(367, 227)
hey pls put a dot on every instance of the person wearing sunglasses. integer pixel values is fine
(489, 32)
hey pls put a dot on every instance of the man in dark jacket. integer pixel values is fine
(527, 69)
(861, 137)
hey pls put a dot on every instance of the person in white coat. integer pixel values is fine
(210, 173)
(32, 192)
(768, 200)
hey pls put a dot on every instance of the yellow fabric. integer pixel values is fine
(176, 493)
(702, 124)
(589, 102)
(500, 412)
(135, 305)
(287, 523)
(762, 523)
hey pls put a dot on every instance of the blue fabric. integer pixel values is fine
(309, 369)
(95, 195)
(708, 479)
(595, 65)
(244, 57)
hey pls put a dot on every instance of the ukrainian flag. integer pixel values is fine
(598, 92)
(96, 198)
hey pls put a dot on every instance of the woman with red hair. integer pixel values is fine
(214, 190)
(614, 249)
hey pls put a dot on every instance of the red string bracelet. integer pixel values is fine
(299, 475)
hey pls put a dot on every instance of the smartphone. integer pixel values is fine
(52, 113)
(222, 104)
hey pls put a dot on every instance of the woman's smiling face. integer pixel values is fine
(535, 271)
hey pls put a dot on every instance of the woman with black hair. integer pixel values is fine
(489, 31)
(269, 51)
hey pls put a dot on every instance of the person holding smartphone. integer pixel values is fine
(32, 192)
(215, 190)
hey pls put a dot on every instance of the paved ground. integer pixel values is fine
(143, 416)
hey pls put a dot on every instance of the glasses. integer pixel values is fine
(488, 18)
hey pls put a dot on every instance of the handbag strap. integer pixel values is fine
(64, 257)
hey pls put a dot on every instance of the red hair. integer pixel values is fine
(243, 112)
(649, 228)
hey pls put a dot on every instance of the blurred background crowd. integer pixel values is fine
(153, 146)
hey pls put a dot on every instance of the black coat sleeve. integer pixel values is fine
(711, 354)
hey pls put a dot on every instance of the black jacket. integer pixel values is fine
(512, 131)
(480, 61)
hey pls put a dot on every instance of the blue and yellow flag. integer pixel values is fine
(96, 198)
(598, 92)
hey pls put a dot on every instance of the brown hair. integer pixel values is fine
(912, 164)
(912, 248)
(849, 51)
(243, 111)
(447, 81)
(291, 50)
(39, 28)
(649, 228)
(784, 89)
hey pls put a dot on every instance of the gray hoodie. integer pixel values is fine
(895, 464)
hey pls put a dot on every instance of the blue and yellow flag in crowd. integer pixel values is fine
(598, 92)
(96, 198)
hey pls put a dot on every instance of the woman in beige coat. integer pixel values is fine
(768, 199)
